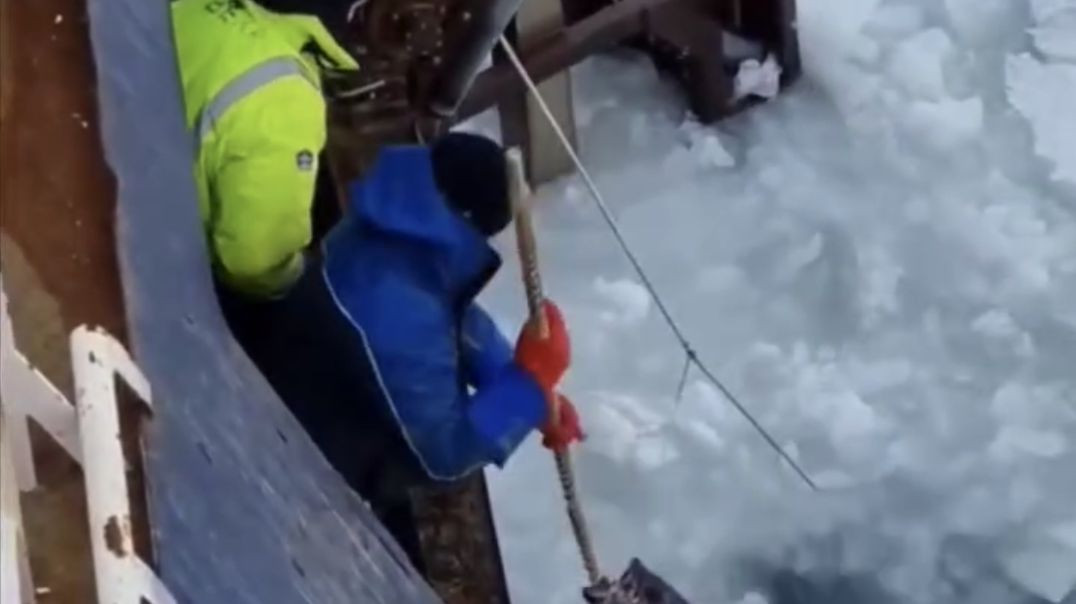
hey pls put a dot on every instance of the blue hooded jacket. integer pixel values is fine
(404, 269)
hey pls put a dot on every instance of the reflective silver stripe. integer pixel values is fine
(238, 89)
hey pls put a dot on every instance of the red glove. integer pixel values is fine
(546, 359)
(566, 430)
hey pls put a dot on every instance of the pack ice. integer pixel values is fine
(882, 263)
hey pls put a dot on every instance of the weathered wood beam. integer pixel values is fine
(709, 88)
(546, 159)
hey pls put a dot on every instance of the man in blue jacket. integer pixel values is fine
(379, 349)
(404, 267)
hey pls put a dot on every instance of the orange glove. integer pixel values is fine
(546, 359)
(567, 429)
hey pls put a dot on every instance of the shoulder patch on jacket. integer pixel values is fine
(304, 160)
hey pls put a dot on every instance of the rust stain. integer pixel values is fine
(117, 533)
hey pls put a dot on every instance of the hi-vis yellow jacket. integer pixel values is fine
(251, 85)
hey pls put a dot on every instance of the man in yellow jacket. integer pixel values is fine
(251, 82)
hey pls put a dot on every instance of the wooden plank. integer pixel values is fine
(546, 158)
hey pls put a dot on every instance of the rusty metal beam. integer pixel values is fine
(464, 61)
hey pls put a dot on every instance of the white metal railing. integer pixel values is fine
(89, 431)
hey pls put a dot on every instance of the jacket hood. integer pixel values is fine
(399, 197)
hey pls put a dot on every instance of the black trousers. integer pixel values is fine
(317, 363)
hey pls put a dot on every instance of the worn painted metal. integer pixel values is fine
(121, 575)
(93, 428)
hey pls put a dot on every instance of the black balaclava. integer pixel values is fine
(471, 172)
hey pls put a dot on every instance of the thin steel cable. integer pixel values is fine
(614, 226)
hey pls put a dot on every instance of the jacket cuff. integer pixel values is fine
(505, 412)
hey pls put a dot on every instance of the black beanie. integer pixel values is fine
(470, 171)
